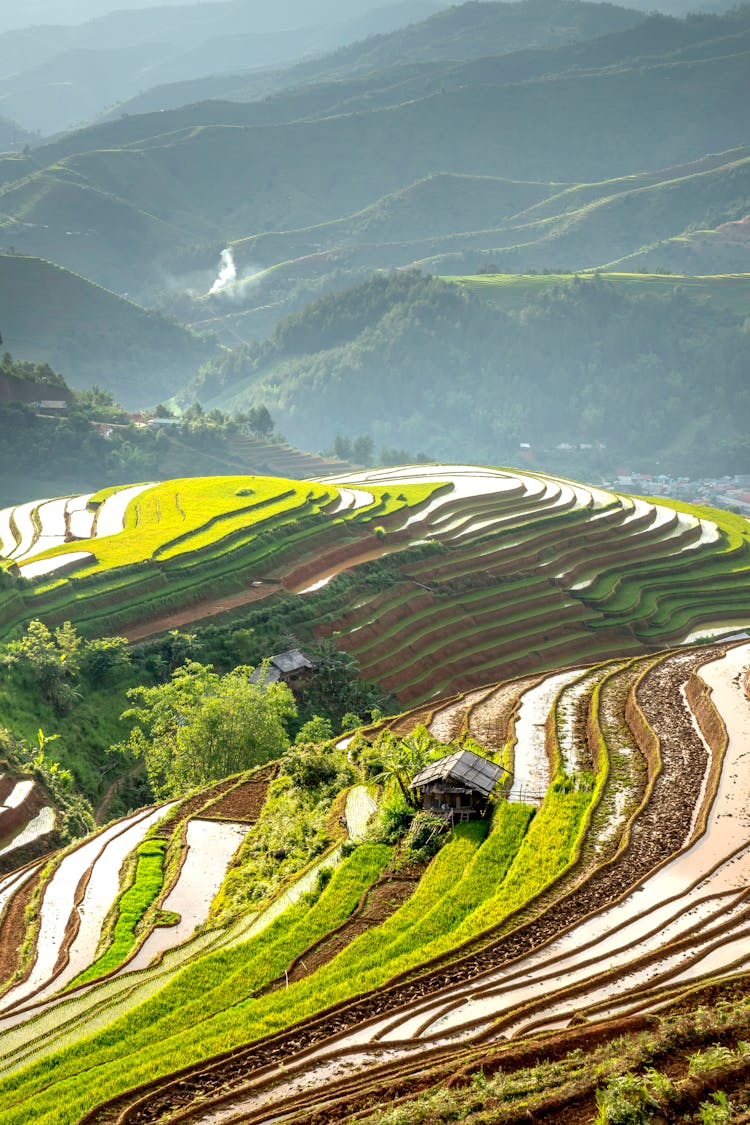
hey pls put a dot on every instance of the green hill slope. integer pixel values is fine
(420, 364)
(512, 291)
(91, 335)
(559, 119)
(453, 224)
(726, 247)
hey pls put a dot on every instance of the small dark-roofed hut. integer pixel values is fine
(291, 667)
(458, 786)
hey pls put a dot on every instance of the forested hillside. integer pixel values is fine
(419, 363)
(54, 439)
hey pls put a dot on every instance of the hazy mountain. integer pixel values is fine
(219, 172)
(466, 32)
(52, 77)
(298, 93)
(456, 223)
(536, 159)
(73, 12)
(90, 335)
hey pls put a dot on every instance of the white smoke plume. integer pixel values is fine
(227, 271)
(231, 285)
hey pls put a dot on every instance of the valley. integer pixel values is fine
(374, 665)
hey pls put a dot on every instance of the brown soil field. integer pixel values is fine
(13, 929)
(243, 803)
(198, 611)
(378, 903)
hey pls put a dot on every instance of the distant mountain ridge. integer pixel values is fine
(462, 33)
(154, 190)
(532, 160)
(56, 77)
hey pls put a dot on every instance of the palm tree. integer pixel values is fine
(404, 758)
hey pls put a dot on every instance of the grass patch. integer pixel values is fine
(512, 291)
(149, 879)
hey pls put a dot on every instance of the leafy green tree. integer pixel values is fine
(341, 448)
(350, 721)
(102, 657)
(316, 729)
(200, 726)
(53, 659)
(259, 421)
(315, 769)
(336, 687)
(397, 764)
(363, 450)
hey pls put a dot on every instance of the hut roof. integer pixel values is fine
(463, 767)
(283, 664)
(293, 660)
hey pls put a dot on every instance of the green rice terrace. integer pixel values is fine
(435, 579)
(511, 291)
(578, 949)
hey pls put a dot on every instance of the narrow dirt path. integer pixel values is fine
(198, 611)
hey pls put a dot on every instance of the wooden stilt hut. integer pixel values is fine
(458, 786)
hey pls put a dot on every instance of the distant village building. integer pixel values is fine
(52, 404)
(13, 389)
(291, 667)
(458, 786)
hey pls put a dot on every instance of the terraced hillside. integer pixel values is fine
(491, 94)
(592, 933)
(517, 225)
(510, 291)
(27, 819)
(454, 574)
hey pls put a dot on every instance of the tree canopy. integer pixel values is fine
(201, 726)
